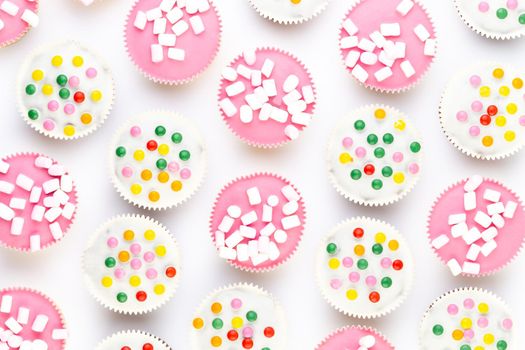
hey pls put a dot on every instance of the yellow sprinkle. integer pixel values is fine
(78, 61)
(38, 75)
(501, 121)
(198, 323)
(479, 347)
(400, 125)
(216, 341)
(484, 91)
(334, 263)
(399, 178)
(163, 177)
(136, 189)
(498, 73)
(86, 118)
(145, 174)
(237, 322)
(47, 89)
(351, 294)
(69, 130)
(517, 83)
(345, 158)
(160, 250)
(134, 281)
(128, 235)
(216, 308)
(509, 135)
(176, 186)
(295, 2)
(96, 95)
(159, 289)
(107, 282)
(164, 149)
(483, 308)
(512, 108)
(380, 113)
(380, 238)
(138, 155)
(488, 339)
(57, 61)
(154, 196)
(149, 235)
(466, 323)
(504, 91)
(359, 250)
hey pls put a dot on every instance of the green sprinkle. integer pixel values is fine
(502, 13)
(465, 347)
(377, 184)
(176, 137)
(379, 152)
(184, 155)
(217, 323)
(415, 147)
(161, 163)
(120, 151)
(386, 282)
(377, 249)
(110, 262)
(251, 316)
(331, 248)
(388, 138)
(387, 171)
(32, 114)
(372, 139)
(438, 329)
(362, 264)
(521, 19)
(62, 80)
(355, 174)
(30, 89)
(359, 125)
(501, 345)
(160, 130)
(64, 93)
(122, 297)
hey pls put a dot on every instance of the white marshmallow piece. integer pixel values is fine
(360, 73)
(37, 214)
(289, 193)
(366, 45)
(280, 236)
(6, 213)
(386, 59)
(6, 187)
(234, 211)
(197, 25)
(265, 112)
(267, 214)
(407, 68)
(4, 167)
(390, 29)
(174, 15)
(180, 27)
(267, 67)
(404, 7)
(232, 240)
(176, 54)
(249, 56)
(34, 243)
(6, 304)
(157, 53)
(492, 195)
(440, 241)
(279, 115)
(471, 236)
(35, 194)
(291, 132)
(167, 5)
(268, 230)
(256, 78)
(13, 325)
(159, 26)
(229, 74)
(23, 315)
(52, 214)
(235, 89)
(9, 7)
(40, 323)
(254, 196)
(290, 83)
(249, 218)
(349, 42)
(498, 221)
(51, 186)
(422, 32)
(242, 252)
(378, 39)
(457, 218)
(495, 208)
(301, 118)
(489, 234)
(17, 203)
(351, 58)
(269, 87)
(246, 114)
(383, 74)
(469, 201)
(24, 182)
(228, 107)
(226, 224)
(473, 183)
(471, 268)
(56, 231)
(43, 162)
(454, 267)
(459, 230)
(488, 247)
(368, 58)
(430, 48)
(30, 18)
(308, 94)
(59, 334)
(17, 225)
(510, 209)
(68, 211)
(483, 219)
(368, 341)
(289, 222)
(153, 14)
(219, 238)
(247, 231)
(167, 39)
(66, 183)
(350, 27)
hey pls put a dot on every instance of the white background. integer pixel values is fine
(57, 271)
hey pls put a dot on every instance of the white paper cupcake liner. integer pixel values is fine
(113, 340)
(344, 329)
(288, 20)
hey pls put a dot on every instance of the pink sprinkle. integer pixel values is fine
(413, 168)
(135, 131)
(52, 105)
(474, 130)
(173, 167)
(74, 81)
(453, 309)
(336, 283)
(348, 142)
(112, 242)
(522, 120)
(371, 281)
(468, 303)
(354, 277)
(151, 274)
(127, 171)
(247, 332)
(136, 264)
(69, 109)
(120, 273)
(185, 173)
(49, 124)
(236, 304)
(483, 322)
(91, 72)
(462, 116)
(512, 4)
(149, 256)
(476, 106)
(475, 80)
(348, 262)
(398, 157)
(507, 324)
(468, 334)
(386, 263)
(360, 152)
(135, 248)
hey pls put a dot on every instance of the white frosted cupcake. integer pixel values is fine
(289, 11)
(133, 340)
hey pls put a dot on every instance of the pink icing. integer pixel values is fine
(200, 49)
(25, 164)
(37, 304)
(236, 194)
(509, 239)
(269, 132)
(14, 26)
(348, 338)
(368, 15)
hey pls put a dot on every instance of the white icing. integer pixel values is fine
(133, 339)
(437, 314)
(361, 190)
(269, 314)
(488, 22)
(459, 96)
(98, 250)
(103, 82)
(191, 141)
(343, 237)
(286, 11)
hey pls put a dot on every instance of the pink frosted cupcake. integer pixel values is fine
(257, 222)
(355, 337)
(16, 18)
(476, 226)
(31, 321)
(387, 45)
(266, 97)
(172, 42)
(38, 201)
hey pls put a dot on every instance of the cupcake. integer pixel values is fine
(65, 91)
(133, 340)
(17, 17)
(468, 318)
(374, 156)
(482, 111)
(497, 19)
(131, 265)
(257, 222)
(172, 42)
(289, 11)
(158, 160)
(476, 227)
(31, 321)
(364, 268)
(281, 109)
(238, 317)
(38, 202)
(387, 45)
(355, 337)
